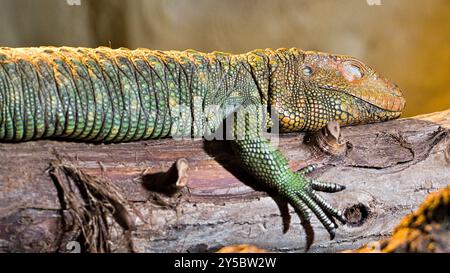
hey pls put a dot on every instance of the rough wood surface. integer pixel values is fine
(388, 169)
(427, 230)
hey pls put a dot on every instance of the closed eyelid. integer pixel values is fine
(352, 70)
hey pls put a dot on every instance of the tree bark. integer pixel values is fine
(427, 230)
(388, 169)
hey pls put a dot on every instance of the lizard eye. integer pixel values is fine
(307, 71)
(352, 72)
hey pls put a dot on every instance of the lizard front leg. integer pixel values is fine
(270, 167)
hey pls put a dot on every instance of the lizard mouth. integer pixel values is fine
(392, 102)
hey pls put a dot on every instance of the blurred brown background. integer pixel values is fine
(407, 40)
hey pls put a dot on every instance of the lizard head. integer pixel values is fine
(327, 87)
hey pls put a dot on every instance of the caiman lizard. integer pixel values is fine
(119, 95)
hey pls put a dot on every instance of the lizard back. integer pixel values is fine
(113, 95)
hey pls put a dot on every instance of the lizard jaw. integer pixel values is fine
(384, 95)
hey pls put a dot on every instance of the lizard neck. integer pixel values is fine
(275, 72)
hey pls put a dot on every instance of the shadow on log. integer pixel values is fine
(388, 169)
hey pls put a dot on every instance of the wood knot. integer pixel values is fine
(356, 215)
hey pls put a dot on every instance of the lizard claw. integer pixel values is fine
(326, 186)
(306, 200)
(307, 169)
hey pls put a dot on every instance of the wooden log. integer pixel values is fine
(388, 169)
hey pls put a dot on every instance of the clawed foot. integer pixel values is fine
(305, 199)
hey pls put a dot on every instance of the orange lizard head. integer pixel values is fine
(321, 87)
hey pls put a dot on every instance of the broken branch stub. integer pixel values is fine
(168, 182)
(329, 139)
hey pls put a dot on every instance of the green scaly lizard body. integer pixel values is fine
(107, 95)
